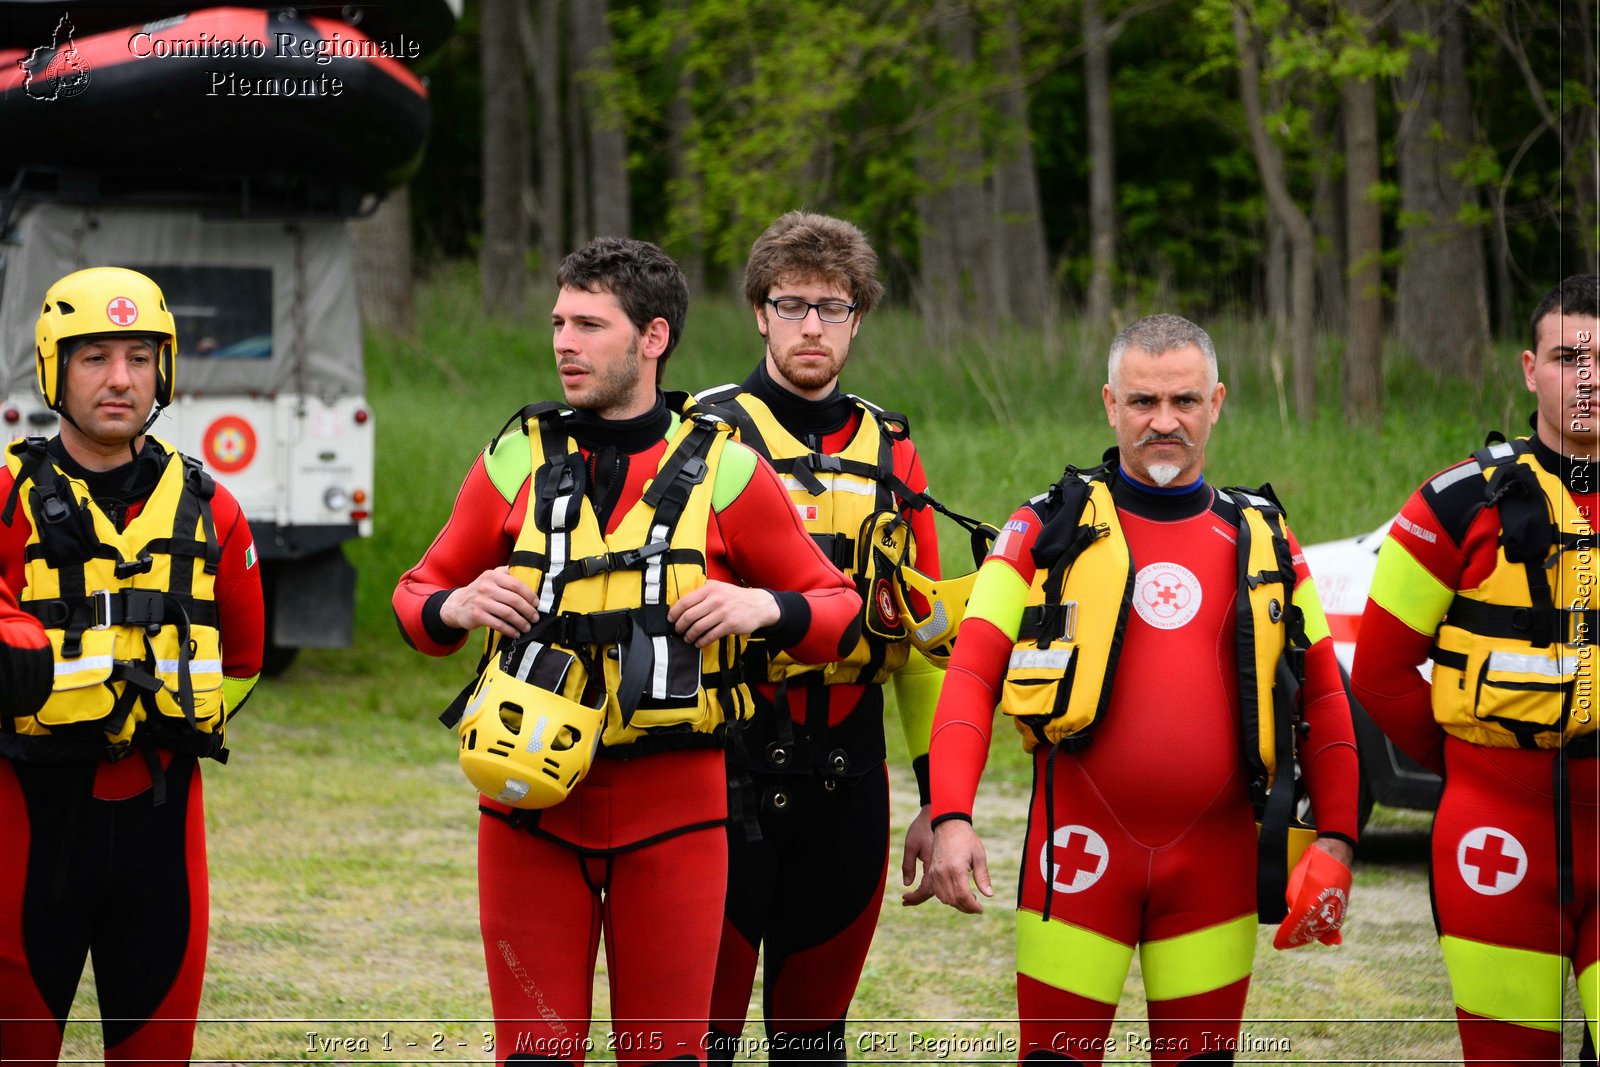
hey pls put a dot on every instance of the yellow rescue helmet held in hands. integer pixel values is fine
(103, 301)
(524, 744)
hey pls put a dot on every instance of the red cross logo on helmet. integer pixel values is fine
(122, 311)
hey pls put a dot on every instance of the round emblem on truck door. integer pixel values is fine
(230, 444)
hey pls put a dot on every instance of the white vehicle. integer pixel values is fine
(1343, 573)
(270, 383)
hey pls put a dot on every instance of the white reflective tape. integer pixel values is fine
(1040, 658)
(83, 663)
(1522, 663)
(1454, 475)
(1501, 449)
(529, 655)
(654, 568)
(833, 482)
(557, 550)
(658, 673)
(196, 666)
(536, 740)
(514, 791)
(936, 624)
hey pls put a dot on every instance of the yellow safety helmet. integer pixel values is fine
(882, 548)
(523, 745)
(96, 302)
(932, 609)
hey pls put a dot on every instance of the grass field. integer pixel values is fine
(342, 842)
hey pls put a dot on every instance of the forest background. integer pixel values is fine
(1379, 181)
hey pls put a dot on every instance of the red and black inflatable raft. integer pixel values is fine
(228, 90)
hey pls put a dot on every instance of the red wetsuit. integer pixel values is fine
(806, 894)
(1154, 840)
(1507, 937)
(92, 863)
(637, 851)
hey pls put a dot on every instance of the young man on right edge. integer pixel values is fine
(1490, 571)
(805, 892)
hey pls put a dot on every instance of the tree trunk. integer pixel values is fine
(1363, 354)
(687, 188)
(608, 149)
(956, 281)
(543, 57)
(1019, 231)
(503, 261)
(580, 192)
(1441, 306)
(1102, 164)
(383, 265)
(1302, 242)
(1329, 221)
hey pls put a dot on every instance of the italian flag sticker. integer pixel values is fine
(250, 556)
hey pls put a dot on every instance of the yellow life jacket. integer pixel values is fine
(1058, 680)
(848, 502)
(131, 614)
(1514, 659)
(604, 598)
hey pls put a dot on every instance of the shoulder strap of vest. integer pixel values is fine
(32, 453)
(1276, 810)
(1062, 538)
(722, 401)
(892, 424)
(544, 411)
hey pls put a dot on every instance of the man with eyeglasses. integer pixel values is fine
(807, 867)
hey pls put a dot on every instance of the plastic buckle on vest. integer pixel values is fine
(821, 461)
(127, 568)
(143, 607)
(634, 556)
(693, 470)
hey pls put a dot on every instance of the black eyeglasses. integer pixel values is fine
(792, 307)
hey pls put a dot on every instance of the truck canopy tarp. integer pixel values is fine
(307, 302)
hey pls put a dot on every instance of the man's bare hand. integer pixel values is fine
(958, 862)
(717, 609)
(918, 849)
(495, 599)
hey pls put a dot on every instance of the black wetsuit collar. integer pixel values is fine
(1160, 505)
(116, 489)
(1576, 474)
(625, 435)
(801, 417)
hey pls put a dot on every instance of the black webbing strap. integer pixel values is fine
(1050, 829)
(33, 452)
(1540, 626)
(1272, 846)
(1561, 788)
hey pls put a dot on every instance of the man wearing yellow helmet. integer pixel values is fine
(618, 554)
(141, 572)
(805, 889)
